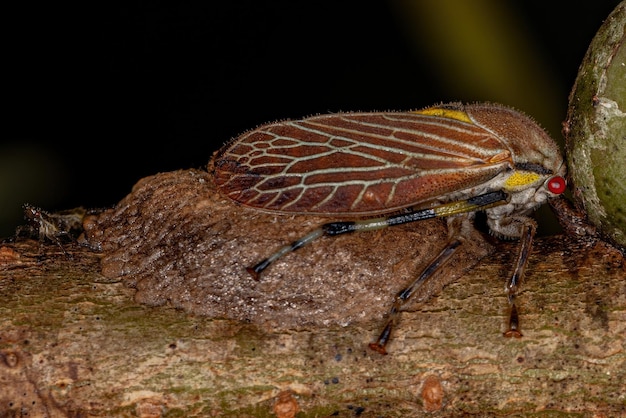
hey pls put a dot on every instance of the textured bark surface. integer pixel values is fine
(141, 325)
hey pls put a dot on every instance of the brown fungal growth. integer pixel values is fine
(432, 393)
(177, 240)
(8, 256)
(286, 406)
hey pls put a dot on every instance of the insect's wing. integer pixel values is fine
(358, 163)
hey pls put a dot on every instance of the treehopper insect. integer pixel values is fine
(390, 168)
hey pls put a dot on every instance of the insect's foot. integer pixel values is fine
(252, 271)
(513, 330)
(513, 333)
(380, 349)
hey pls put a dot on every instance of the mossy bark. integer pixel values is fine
(595, 130)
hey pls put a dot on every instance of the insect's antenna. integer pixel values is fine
(472, 204)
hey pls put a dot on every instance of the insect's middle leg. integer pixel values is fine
(458, 230)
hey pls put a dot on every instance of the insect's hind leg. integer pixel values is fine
(469, 205)
(338, 228)
(458, 230)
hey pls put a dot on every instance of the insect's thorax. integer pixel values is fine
(526, 191)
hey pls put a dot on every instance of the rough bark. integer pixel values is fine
(75, 341)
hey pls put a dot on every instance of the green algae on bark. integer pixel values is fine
(595, 130)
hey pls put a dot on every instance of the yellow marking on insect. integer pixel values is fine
(521, 178)
(445, 113)
(463, 206)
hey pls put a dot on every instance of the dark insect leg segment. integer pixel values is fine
(571, 219)
(337, 228)
(441, 259)
(256, 270)
(512, 285)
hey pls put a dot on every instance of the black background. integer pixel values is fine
(100, 94)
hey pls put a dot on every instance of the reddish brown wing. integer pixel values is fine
(357, 163)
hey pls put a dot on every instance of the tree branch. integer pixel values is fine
(162, 319)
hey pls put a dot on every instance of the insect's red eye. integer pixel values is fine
(557, 184)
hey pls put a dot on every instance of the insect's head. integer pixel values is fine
(538, 162)
(32, 214)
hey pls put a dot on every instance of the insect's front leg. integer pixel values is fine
(525, 228)
(458, 230)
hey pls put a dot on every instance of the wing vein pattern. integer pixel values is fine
(356, 163)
